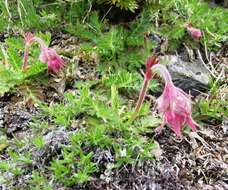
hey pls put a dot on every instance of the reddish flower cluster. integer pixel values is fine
(47, 55)
(195, 33)
(174, 104)
(54, 61)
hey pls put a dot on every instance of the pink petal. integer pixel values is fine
(49, 56)
(175, 121)
(165, 99)
(43, 56)
(181, 102)
(55, 64)
(191, 123)
(194, 32)
(28, 37)
(177, 129)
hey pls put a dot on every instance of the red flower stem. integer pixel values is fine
(141, 99)
(25, 58)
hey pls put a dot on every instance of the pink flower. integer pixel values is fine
(47, 55)
(195, 33)
(174, 104)
(54, 61)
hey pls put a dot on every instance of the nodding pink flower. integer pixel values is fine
(47, 55)
(195, 33)
(54, 61)
(174, 104)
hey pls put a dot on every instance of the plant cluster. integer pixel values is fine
(47, 55)
(104, 127)
(11, 62)
(96, 115)
(170, 16)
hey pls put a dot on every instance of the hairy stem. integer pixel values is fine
(40, 41)
(141, 99)
(164, 73)
(25, 58)
(26, 51)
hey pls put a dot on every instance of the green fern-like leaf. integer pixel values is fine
(135, 37)
(122, 79)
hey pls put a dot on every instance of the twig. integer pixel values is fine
(212, 67)
(201, 59)
(91, 27)
(219, 77)
(87, 14)
(156, 20)
(8, 11)
(19, 10)
(190, 53)
(106, 14)
(205, 47)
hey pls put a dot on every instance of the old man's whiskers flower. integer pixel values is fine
(174, 103)
(47, 55)
(54, 61)
(195, 33)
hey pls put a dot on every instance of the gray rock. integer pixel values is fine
(1, 114)
(1, 118)
(191, 77)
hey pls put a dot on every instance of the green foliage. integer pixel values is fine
(135, 36)
(14, 167)
(39, 142)
(123, 4)
(128, 5)
(170, 15)
(39, 181)
(116, 47)
(95, 113)
(67, 171)
(106, 128)
(175, 14)
(107, 43)
(214, 107)
(23, 13)
(123, 79)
